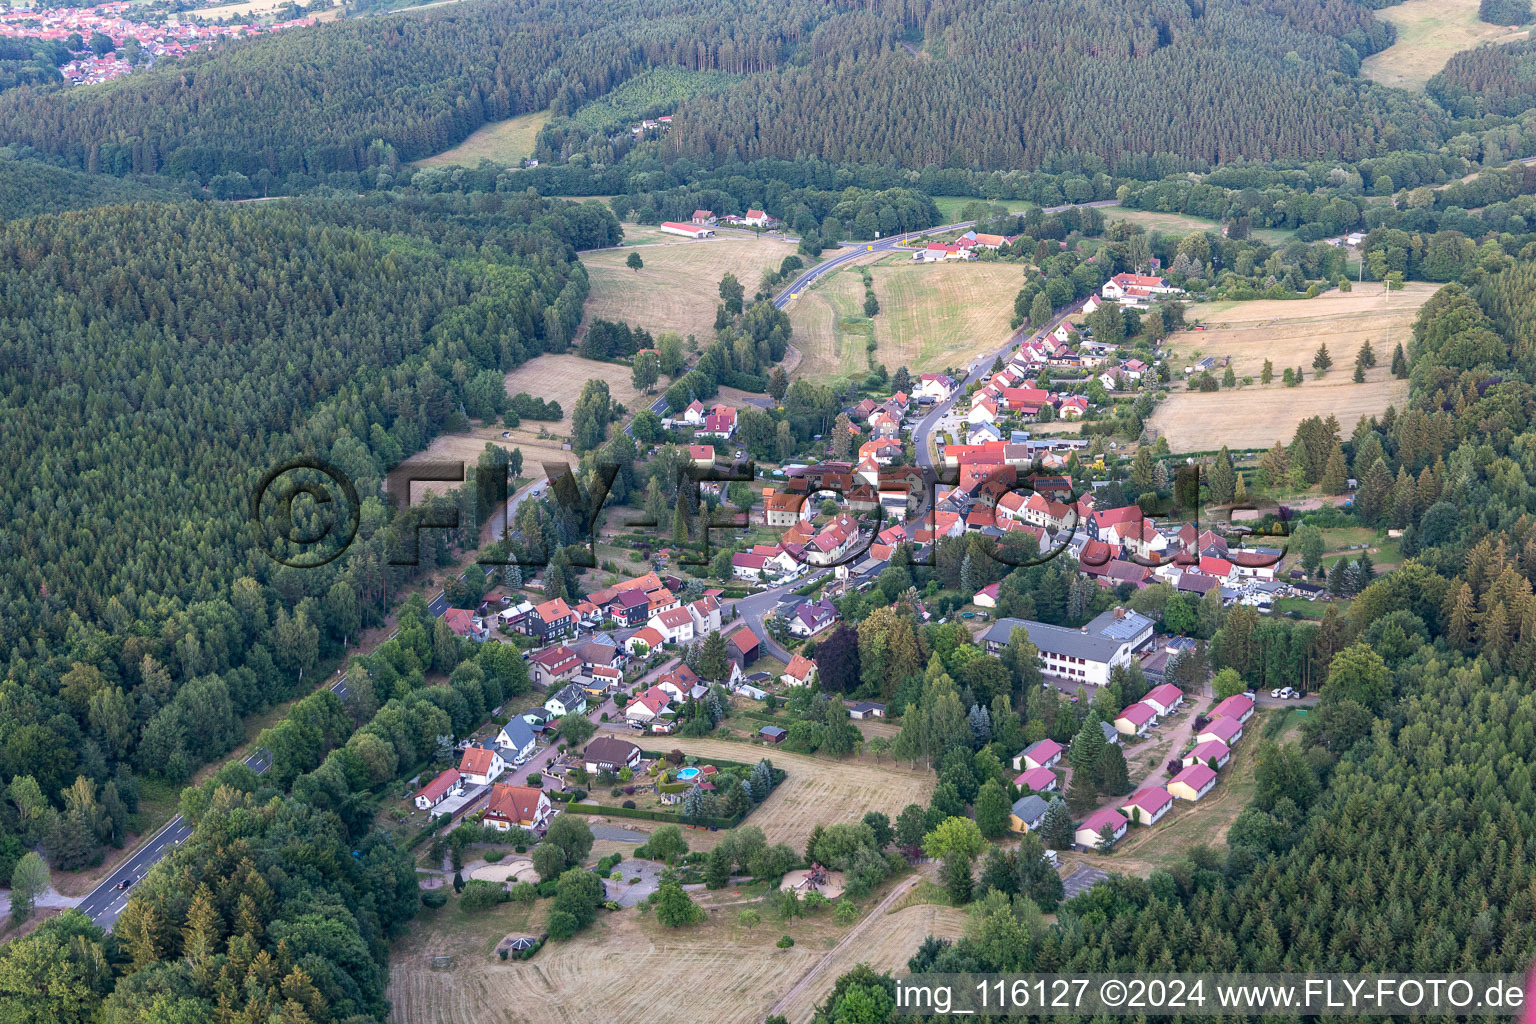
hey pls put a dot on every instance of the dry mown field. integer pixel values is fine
(502, 142)
(1288, 332)
(931, 316)
(816, 789)
(556, 377)
(628, 968)
(679, 286)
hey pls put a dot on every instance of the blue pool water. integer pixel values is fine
(687, 773)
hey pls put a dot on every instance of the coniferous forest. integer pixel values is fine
(914, 83)
(158, 359)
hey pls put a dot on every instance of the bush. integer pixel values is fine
(578, 795)
(434, 899)
(503, 952)
(546, 890)
(524, 892)
(785, 942)
(479, 894)
(562, 925)
(535, 779)
(494, 855)
(628, 805)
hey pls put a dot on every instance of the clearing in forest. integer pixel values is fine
(1429, 33)
(678, 288)
(502, 142)
(1287, 332)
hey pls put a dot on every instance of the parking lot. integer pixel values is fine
(1081, 880)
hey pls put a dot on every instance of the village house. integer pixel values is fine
(811, 618)
(1148, 806)
(706, 615)
(644, 641)
(570, 700)
(1027, 813)
(986, 597)
(435, 792)
(935, 387)
(705, 218)
(720, 422)
(1193, 782)
(550, 620)
(757, 219)
(675, 624)
(801, 671)
(701, 455)
(466, 624)
(610, 754)
(553, 665)
(480, 766)
(516, 741)
(1089, 833)
(512, 807)
(646, 710)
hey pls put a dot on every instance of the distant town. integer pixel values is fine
(109, 40)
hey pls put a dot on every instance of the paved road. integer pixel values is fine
(106, 901)
(858, 249)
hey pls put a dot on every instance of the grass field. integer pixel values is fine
(679, 286)
(950, 206)
(1182, 224)
(816, 789)
(627, 967)
(931, 316)
(502, 142)
(1288, 333)
(1429, 33)
(556, 377)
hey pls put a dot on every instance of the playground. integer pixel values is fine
(816, 879)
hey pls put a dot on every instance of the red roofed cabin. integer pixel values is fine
(434, 792)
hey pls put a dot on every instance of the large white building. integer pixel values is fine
(1079, 655)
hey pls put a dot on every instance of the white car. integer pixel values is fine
(1277, 692)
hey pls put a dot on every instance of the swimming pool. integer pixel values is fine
(685, 774)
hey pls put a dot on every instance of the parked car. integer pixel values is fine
(1276, 692)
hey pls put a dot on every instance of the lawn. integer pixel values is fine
(502, 142)
(931, 316)
(1288, 333)
(678, 288)
(1429, 33)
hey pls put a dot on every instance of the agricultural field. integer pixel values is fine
(816, 789)
(737, 973)
(558, 378)
(931, 316)
(1288, 333)
(1429, 33)
(678, 288)
(502, 142)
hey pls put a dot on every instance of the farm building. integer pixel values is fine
(672, 227)
(1193, 782)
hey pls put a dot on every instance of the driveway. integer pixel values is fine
(1081, 880)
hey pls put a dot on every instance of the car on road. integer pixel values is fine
(120, 886)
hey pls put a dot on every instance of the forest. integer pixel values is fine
(143, 619)
(1160, 87)
(1390, 835)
